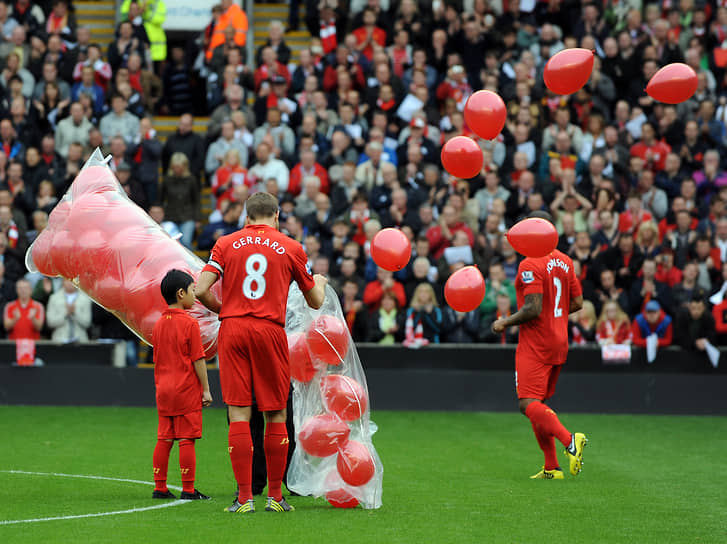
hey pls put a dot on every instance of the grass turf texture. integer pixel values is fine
(449, 477)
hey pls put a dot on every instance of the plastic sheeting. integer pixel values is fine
(335, 457)
(115, 253)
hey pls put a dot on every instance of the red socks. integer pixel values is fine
(547, 444)
(187, 464)
(161, 463)
(276, 456)
(547, 422)
(240, 448)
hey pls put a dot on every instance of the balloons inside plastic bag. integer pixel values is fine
(336, 458)
(115, 253)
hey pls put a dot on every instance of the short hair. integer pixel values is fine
(173, 281)
(261, 205)
(541, 214)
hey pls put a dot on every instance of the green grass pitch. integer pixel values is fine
(449, 477)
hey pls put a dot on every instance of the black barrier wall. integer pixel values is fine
(461, 378)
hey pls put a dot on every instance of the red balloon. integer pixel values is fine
(485, 113)
(673, 84)
(355, 463)
(337, 496)
(93, 179)
(533, 237)
(59, 214)
(390, 249)
(63, 254)
(462, 157)
(343, 396)
(145, 325)
(41, 254)
(322, 435)
(465, 289)
(301, 365)
(130, 246)
(107, 290)
(327, 339)
(568, 70)
(94, 252)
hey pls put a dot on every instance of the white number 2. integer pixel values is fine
(557, 312)
(255, 267)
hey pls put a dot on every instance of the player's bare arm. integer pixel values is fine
(202, 291)
(530, 310)
(314, 297)
(576, 303)
(200, 368)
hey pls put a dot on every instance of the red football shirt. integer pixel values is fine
(545, 338)
(257, 264)
(177, 345)
(24, 327)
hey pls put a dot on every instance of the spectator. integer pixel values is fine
(73, 129)
(582, 325)
(653, 199)
(647, 288)
(354, 312)
(153, 13)
(307, 167)
(102, 70)
(178, 94)
(423, 320)
(268, 68)
(234, 101)
(119, 122)
(652, 320)
(647, 240)
(214, 231)
(503, 308)
(608, 291)
(217, 150)
(125, 44)
(368, 35)
(267, 166)
(276, 41)
(441, 236)
(23, 318)
(145, 82)
(186, 142)
(88, 86)
(613, 325)
(180, 197)
(131, 185)
(69, 314)
(232, 15)
(384, 283)
(229, 175)
(280, 134)
(319, 221)
(50, 75)
(695, 327)
(384, 326)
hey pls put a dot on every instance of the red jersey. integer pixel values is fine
(257, 264)
(24, 327)
(659, 150)
(177, 345)
(545, 338)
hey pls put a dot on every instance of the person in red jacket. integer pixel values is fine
(440, 236)
(652, 151)
(385, 283)
(613, 325)
(653, 320)
(369, 33)
(307, 167)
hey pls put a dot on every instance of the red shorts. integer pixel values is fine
(180, 427)
(535, 380)
(253, 355)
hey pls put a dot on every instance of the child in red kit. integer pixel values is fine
(182, 388)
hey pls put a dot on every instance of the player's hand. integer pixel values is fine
(206, 398)
(498, 327)
(320, 279)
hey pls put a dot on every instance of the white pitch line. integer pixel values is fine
(95, 515)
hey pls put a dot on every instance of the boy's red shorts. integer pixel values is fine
(253, 355)
(535, 380)
(180, 427)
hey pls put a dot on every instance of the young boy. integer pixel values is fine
(182, 388)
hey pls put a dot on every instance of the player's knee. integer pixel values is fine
(523, 404)
(276, 416)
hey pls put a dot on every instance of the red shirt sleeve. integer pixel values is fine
(372, 294)
(216, 263)
(301, 275)
(531, 277)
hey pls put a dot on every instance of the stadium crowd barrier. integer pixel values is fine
(445, 377)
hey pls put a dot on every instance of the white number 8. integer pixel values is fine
(557, 312)
(255, 267)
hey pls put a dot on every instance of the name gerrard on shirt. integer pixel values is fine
(258, 240)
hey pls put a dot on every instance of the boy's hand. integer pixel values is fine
(206, 398)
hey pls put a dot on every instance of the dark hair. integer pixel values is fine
(261, 205)
(173, 282)
(540, 214)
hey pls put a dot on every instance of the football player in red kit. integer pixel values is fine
(547, 291)
(256, 265)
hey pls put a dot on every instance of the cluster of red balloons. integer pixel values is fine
(115, 253)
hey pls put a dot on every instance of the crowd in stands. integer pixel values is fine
(348, 132)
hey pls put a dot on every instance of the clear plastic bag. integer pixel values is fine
(335, 456)
(115, 253)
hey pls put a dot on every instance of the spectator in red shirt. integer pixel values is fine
(270, 67)
(369, 33)
(307, 167)
(440, 236)
(652, 320)
(652, 151)
(666, 272)
(613, 325)
(23, 318)
(635, 214)
(385, 283)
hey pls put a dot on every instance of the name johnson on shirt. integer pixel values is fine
(553, 263)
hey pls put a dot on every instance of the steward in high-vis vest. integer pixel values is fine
(153, 14)
(232, 15)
